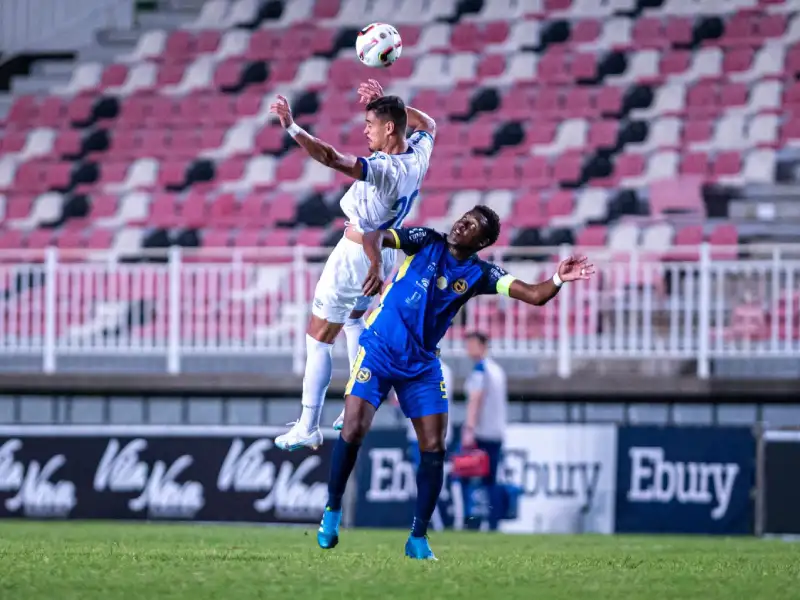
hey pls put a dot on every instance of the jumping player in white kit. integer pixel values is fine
(386, 186)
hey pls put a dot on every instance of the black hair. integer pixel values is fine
(492, 230)
(391, 108)
(482, 338)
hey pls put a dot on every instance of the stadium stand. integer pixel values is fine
(626, 124)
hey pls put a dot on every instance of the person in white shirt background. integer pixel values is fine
(485, 424)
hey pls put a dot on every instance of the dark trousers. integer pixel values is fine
(493, 450)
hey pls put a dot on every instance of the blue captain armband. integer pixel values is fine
(504, 284)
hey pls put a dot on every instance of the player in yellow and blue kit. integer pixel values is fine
(399, 348)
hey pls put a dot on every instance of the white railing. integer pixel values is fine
(58, 24)
(235, 302)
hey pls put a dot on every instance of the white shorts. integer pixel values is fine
(338, 291)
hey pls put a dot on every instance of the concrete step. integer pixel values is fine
(37, 84)
(103, 54)
(186, 6)
(119, 38)
(57, 68)
(163, 20)
(6, 100)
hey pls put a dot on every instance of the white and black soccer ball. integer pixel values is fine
(378, 45)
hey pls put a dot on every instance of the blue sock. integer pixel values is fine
(342, 463)
(430, 477)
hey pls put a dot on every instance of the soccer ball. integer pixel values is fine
(378, 45)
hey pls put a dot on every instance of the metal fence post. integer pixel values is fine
(704, 312)
(50, 276)
(174, 325)
(775, 298)
(564, 354)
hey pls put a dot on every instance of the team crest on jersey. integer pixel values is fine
(460, 286)
(363, 375)
(441, 283)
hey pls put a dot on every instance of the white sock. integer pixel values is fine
(316, 381)
(352, 332)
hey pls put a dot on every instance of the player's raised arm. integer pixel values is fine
(317, 149)
(498, 281)
(417, 120)
(539, 294)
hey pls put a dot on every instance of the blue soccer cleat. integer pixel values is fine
(419, 549)
(338, 424)
(328, 532)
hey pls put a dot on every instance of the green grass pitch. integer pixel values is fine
(61, 561)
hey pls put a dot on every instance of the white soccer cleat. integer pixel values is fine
(338, 424)
(297, 437)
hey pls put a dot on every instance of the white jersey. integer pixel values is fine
(390, 185)
(382, 200)
(490, 378)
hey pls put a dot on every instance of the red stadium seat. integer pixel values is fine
(207, 42)
(695, 163)
(164, 211)
(592, 236)
(543, 84)
(536, 172)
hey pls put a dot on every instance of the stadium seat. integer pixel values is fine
(547, 111)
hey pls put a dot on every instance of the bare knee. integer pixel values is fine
(357, 420)
(432, 443)
(322, 330)
(431, 433)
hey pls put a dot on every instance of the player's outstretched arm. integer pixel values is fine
(320, 151)
(539, 294)
(417, 120)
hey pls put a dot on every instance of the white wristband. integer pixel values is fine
(557, 280)
(294, 129)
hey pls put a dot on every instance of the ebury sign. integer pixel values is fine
(685, 480)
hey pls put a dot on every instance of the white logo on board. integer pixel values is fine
(291, 491)
(122, 470)
(654, 479)
(37, 494)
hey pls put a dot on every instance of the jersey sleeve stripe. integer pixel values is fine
(364, 168)
(396, 238)
(504, 284)
(430, 137)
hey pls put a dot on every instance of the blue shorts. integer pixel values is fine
(420, 394)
